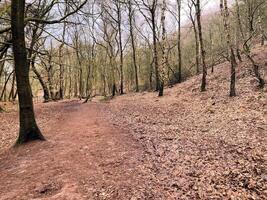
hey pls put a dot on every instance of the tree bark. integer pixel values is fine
(163, 64)
(131, 20)
(201, 43)
(119, 21)
(40, 79)
(4, 88)
(247, 49)
(179, 42)
(12, 91)
(225, 15)
(61, 65)
(28, 127)
(155, 49)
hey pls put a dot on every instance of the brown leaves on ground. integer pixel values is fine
(202, 145)
(9, 126)
(186, 145)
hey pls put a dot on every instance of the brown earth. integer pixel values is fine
(186, 145)
(203, 145)
(84, 157)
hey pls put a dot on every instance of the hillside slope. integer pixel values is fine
(202, 145)
(185, 145)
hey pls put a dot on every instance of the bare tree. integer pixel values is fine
(151, 8)
(179, 7)
(163, 64)
(246, 46)
(201, 43)
(131, 16)
(225, 15)
(28, 126)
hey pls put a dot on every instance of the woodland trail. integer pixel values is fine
(186, 145)
(84, 157)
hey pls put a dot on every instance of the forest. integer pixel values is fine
(133, 99)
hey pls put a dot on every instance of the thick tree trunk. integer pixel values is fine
(28, 127)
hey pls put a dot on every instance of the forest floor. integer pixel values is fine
(185, 145)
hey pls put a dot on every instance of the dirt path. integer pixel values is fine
(85, 157)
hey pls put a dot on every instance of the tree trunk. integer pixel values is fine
(155, 49)
(163, 64)
(211, 49)
(61, 65)
(201, 43)
(12, 91)
(4, 88)
(247, 49)
(70, 83)
(28, 127)
(179, 43)
(192, 19)
(238, 54)
(118, 4)
(50, 77)
(131, 20)
(225, 15)
(40, 79)
(61, 74)
(197, 46)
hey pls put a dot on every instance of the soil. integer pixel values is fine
(84, 157)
